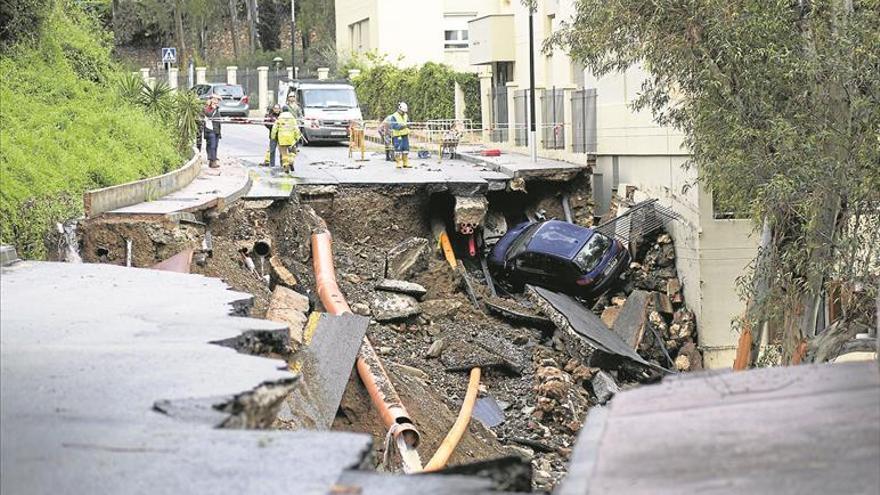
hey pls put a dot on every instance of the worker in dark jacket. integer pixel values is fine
(270, 118)
(210, 128)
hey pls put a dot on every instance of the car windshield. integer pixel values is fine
(592, 252)
(520, 243)
(229, 90)
(323, 98)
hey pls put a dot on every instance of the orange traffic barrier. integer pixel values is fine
(382, 393)
(447, 447)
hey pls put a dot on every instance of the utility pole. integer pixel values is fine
(293, 36)
(533, 143)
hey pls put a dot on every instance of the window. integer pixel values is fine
(457, 38)
(592, 253)
(329, 98)
(359, 36)
(542, 264)
(455, 30)
(234, 91)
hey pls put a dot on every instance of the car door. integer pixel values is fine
(540, 269)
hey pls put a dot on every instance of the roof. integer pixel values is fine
(559, 238)
(783, 430)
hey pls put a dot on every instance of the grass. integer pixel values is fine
(64, 130)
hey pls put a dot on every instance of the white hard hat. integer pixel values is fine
(402, 107)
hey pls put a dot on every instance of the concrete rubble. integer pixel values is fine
(407, 258)
(389, 306)
(291, 308)
(402, 287)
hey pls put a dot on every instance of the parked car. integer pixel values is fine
(233, 100)
(559, 256)
(328, 107)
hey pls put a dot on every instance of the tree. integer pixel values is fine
(779, 102)
(233, 19)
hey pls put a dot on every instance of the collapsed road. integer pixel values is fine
(396, 330)
(410, 260)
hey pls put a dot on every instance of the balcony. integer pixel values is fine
(492, 39)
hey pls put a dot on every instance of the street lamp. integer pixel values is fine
(533, 143)
(293, 36)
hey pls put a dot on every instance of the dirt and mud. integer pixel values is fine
(544, 393)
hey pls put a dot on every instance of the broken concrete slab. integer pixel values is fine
(838, 402)
(388, 306)
(469, 212)
(331, 345)
(582, 332)
(407, 258)
(515, 313)
(89, 349)
(488, 352)
(604, 387)
(402, 287)
(289, 307)
(630, 323)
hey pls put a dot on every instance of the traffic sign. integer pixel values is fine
(169, 55)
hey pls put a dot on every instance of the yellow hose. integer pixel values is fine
(447, 447)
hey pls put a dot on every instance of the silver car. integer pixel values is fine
(328, 107)
(233, 100)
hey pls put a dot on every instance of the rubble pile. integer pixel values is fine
(653, 275)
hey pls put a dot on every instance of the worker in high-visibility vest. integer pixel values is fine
(286, 132)
(400, 135)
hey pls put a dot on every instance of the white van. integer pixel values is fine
(328, 107)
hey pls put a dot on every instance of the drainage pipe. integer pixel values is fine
(382, 393)
(444, 452)
(262, 248)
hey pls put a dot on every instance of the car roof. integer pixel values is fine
(560, 239)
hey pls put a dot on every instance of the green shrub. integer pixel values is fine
(64, 130)
(429, 90)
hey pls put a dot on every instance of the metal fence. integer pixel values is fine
(553, 125)
(521, 117)
(500, 115)
(583, 113)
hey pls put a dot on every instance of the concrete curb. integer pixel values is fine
(8, 255)
(100, 201)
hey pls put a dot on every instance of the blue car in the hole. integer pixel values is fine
(560, 256)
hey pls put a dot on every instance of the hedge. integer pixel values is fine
(64, 129)
(429, 90)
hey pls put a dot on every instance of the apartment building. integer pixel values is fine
(408, 32)
(582, 118)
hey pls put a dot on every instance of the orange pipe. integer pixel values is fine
(447, 250)
(382, 393)
(445, 450)
(325, 275)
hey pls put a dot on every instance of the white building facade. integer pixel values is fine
(408, 32)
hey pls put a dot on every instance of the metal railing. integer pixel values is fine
(521, 117)
(553, 125)
(500, 116)
(583, 113)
